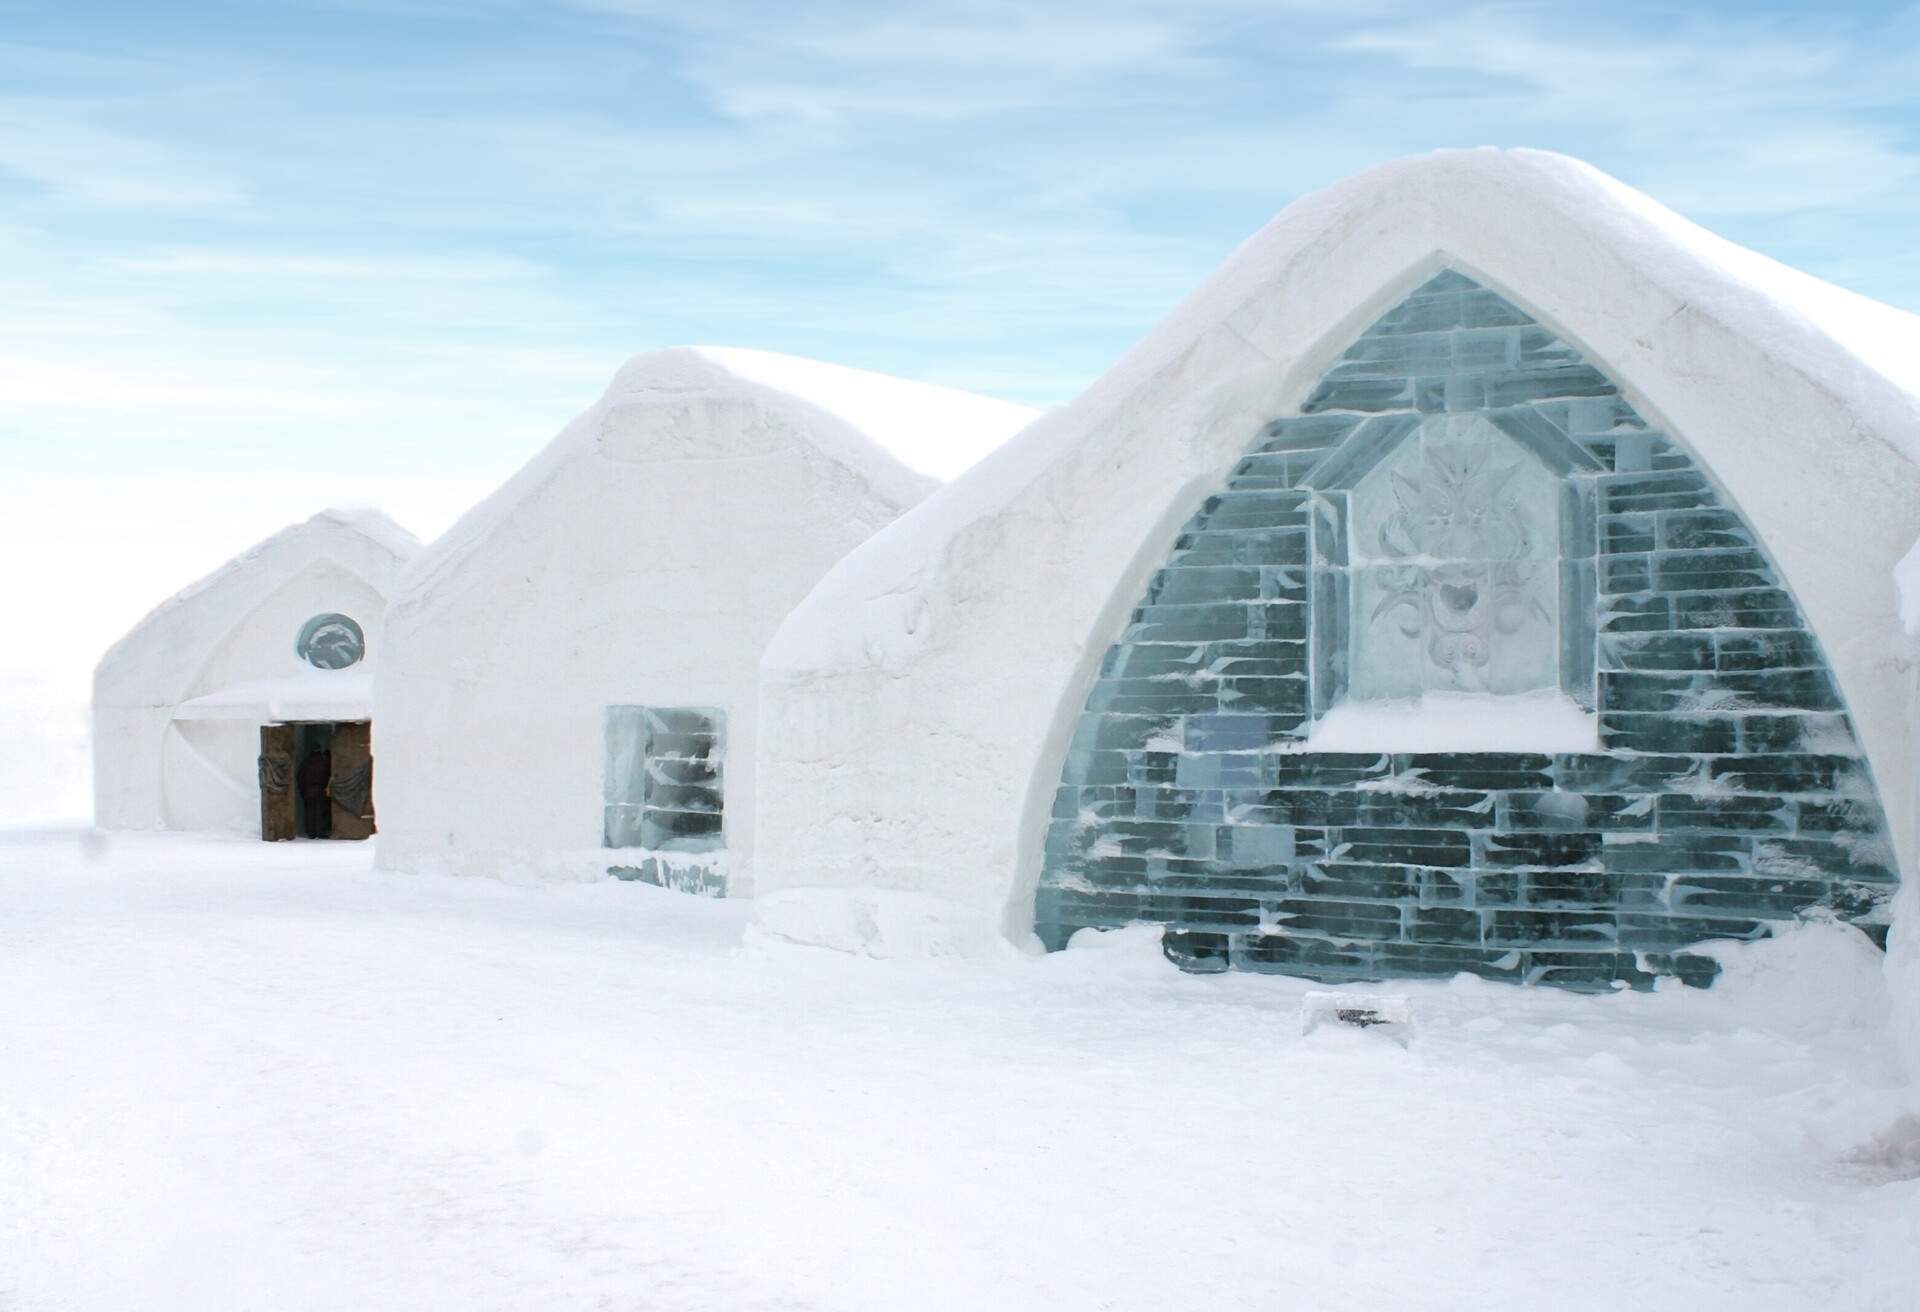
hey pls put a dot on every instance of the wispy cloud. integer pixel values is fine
(826, 64)
(47, 143)
(1719, 114)
(992, 193)
(328, 268)
(954, 66)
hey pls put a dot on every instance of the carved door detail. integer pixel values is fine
(276, 782)
(352, 781)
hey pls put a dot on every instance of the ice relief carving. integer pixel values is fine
(331, 642)
(1455, 547)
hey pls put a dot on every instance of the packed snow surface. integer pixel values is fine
(244, 1076)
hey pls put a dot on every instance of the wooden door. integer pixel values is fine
(276, 782)
(352, 782)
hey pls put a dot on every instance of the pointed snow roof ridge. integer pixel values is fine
(1404, 220)
(709, 370)
(374, 524)
(866, 422)
(363, 522)
(932, 429)
(1811, 324)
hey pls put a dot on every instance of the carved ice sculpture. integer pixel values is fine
(1455, 548)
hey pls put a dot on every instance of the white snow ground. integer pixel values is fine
(241, 1076)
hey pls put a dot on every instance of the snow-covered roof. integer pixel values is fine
(899, 436)
(353, 536)
(1525, 222)
(933, 430)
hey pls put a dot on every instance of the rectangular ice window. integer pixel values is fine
(662, 778)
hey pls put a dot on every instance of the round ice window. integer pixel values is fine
(331, 642)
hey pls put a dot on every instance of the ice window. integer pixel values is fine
(331, 642)
(662, 780)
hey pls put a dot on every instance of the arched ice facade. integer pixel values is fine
(1729, 453)
(1467, 537)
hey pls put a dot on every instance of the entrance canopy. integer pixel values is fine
(330, 695)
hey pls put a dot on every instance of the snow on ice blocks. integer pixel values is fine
(1459, 722)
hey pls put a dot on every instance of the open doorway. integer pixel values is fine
(316, 780)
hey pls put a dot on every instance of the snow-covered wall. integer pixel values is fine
(160, 763)
(641, 561)
(889, 708)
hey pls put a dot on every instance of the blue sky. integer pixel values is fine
(256, 235)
